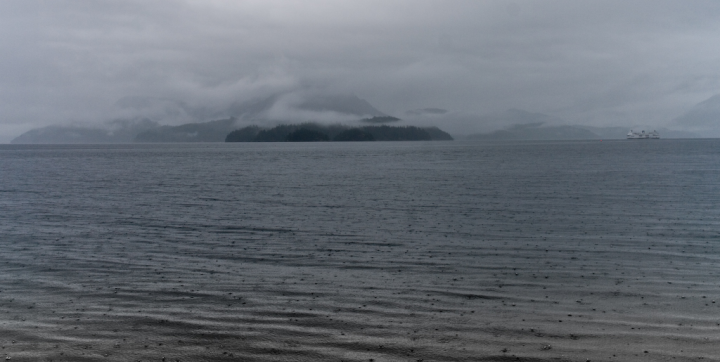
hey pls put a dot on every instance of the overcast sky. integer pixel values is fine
(589, 62)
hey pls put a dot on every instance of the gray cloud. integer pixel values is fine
(589, 62)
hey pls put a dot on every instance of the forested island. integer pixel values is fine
(313, 132)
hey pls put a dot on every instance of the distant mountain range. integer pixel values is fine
(522, 125)
(536, 131)
(513, 124)
(540, 131)
(703, 118)
(238, 114)
(118, 131)
(213, 131)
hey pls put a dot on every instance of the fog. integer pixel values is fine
(599, 63)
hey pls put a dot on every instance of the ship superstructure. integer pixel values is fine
(632, 135)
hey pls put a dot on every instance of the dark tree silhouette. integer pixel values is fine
(306, 135)
(354, 134)
(337, 132)
(381, 119)
(245, 134)
(407, 133)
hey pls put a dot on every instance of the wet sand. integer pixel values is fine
(510, 263)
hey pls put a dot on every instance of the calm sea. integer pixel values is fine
(358, 251)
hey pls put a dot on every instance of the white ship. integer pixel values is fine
(632, 135)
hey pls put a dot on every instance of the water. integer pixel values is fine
(357, 251)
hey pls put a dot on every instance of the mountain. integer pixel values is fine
(436, 134)
(536, 131)
(273, 109)
(703, 117)
(539, 131)
(117, 131)
(608, 133)
(213, 131)
(519, 117)
(252, 109)
(516, 124)
(165, 110)
(336, 132)
(463, 124)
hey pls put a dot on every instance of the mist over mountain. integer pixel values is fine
(345, 104)
(155, 119)
(251, 109)
(213, 131)
(516, 116)
(540, 131)
(381, 120)
(591, 63)
(205, 123)
(117, 131)
(536, 131)
(277, 106)
(426, 111)
(703, 118)
(463, 124)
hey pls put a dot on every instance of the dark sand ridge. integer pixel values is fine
(530, 275)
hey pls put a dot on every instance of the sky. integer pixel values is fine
(588, 62)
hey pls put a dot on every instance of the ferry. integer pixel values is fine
(632, 135)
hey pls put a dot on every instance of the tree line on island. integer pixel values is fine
(313, 132)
